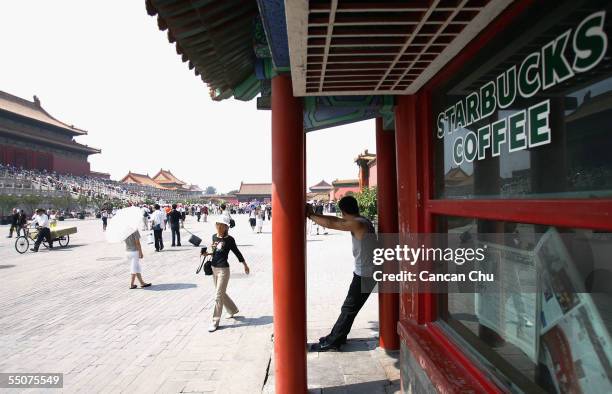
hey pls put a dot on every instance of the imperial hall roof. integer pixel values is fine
(141, 179)
(167, 177)
(263, 189)
(33, 110)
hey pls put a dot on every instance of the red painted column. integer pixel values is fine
(288, 238)
(388, 298)
(407, 212)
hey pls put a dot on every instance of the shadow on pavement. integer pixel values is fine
(356, 345)
(177, 249)
(7, 266)
(171, 286)
(248, 321)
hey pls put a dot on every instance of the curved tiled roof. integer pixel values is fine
(141, 179)
(255, 189)
(45, 139)
(165, 176)
(214, 37)
(34, 111)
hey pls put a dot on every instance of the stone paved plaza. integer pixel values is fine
(70, 310)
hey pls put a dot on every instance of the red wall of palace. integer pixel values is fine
(33, 160)
(67, 165)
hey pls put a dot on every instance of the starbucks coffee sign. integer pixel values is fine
(539, 71)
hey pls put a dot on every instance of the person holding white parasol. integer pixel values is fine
(123, 227)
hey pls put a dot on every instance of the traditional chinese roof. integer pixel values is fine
(255, 189)
(166, 177)
(214, 37)
(366, 157)
(321, 186)
(345, 182)
(34, 111)
(44, 139)
(140, 179)
(195, 188)
(457, 177)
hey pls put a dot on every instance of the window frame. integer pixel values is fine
(418, 209)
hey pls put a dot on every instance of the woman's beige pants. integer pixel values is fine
(221, 277)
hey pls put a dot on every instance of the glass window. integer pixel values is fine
(531, 115)
(545, 323)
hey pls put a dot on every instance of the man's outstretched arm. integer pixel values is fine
(334, 222)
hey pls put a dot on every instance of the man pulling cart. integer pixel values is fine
(43, 233)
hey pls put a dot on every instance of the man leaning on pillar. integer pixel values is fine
(363, 237)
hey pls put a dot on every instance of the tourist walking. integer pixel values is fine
(259, 219)
(222, 244)
(225, 212)
(252, 218)
(22, 222)
(134, 254)
(174, 217)
(14, 223)
(145, 218)
(181, 210)
(205, 213)
(158, 222)
(363, 238)
(104, 216)
(42, 223)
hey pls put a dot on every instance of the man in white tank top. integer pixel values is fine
(363, 236)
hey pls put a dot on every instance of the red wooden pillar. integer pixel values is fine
(388, 299)
(288, 238)
(407, 199)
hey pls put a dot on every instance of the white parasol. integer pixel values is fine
(123, 224)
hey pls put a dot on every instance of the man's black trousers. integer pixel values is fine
(358, 294)
(43, 233)
(159, 241)
(176, 235)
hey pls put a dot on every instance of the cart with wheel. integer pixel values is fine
(59, 236)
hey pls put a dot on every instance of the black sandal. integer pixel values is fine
(133, 287)
(145, 285)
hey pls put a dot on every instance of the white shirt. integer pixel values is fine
(158, 217)
(41, 220)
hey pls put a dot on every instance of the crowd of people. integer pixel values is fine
(158, 218)
(88, 186)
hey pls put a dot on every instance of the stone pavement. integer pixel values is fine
(69, 310)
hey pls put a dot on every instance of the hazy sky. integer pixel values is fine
(106, 68)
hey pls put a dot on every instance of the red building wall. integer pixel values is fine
(67, 165)
(339, 192)
(33, 160)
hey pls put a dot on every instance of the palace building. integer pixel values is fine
(168, 185)
(31, 138)
(254, 192)
(166, 179)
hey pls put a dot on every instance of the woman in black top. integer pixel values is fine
(221, 246)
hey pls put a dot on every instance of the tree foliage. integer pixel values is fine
(367, 201)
